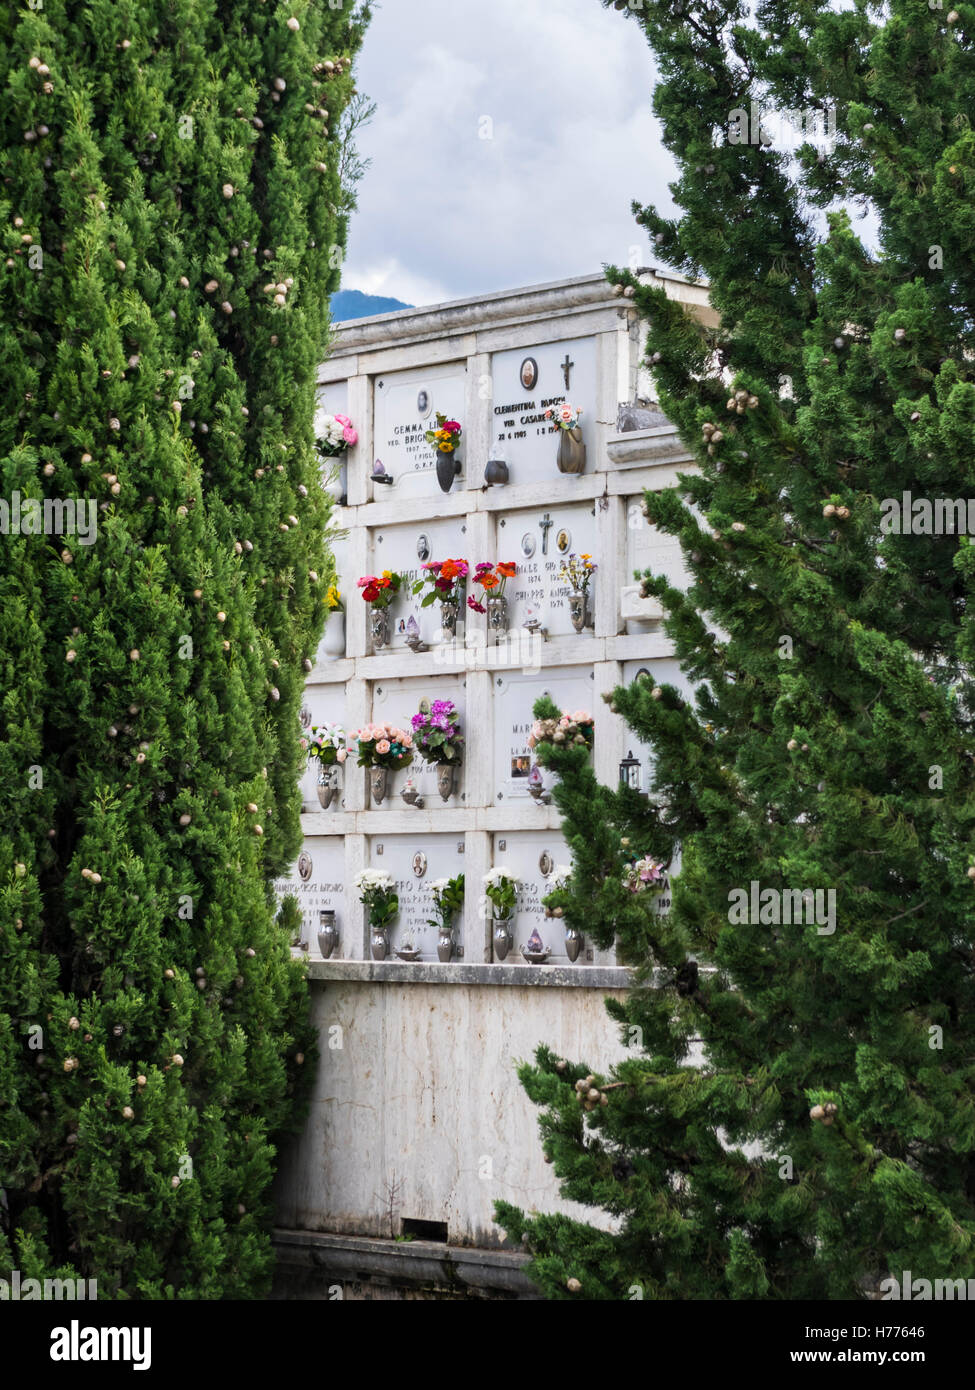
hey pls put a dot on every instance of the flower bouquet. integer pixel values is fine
(448, 898)
(492, 579)
(555, 902)
(565, 423)
(327, 742)
(577, 571)
(328, 745)
(445, 581)
(644, 876)
(438, 740)
(338, 434)
(333, 600)
(564, 416)
(446, 436)
(567, 730)
(379, 590)
(378, 893)
(500, 886)
(382, 748)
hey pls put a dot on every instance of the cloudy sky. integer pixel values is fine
(561, 90)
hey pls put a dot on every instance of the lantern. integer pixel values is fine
(630, 769)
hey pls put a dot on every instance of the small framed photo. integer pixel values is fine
(528, 372)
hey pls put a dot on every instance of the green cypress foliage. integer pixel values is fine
(821, 1137)
(173, 216)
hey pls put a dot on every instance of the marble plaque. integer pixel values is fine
(333, 399)
(527, 381)
(439, 856)
(526, 854)
(662, 671)
(396, 701)
(648, 549)
(330, 648)
(399, 548)
(317, 880)
(406, 406)
(323, 704)
(538, 541)
(514, 695)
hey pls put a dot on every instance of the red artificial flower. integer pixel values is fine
(477, 607)
(452, 425)
(507, 569)
(371, 592)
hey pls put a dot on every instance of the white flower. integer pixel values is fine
(499, 875)
(438, 884)
(561, 873)
(373, 878)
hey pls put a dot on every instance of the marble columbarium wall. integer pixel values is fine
(418, 1123)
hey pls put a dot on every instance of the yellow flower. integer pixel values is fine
(446, 448)
(386, 574)
(332, 598)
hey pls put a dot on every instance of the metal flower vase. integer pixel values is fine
(502, 937)
(497, 614)
(446, 773)
(378, 784)
(379, 626)
(579, 610)
(572, 451)
(379, 942)
(328, 786)
(445, 944)
(574, 942)
(328, 933)
(448, 619)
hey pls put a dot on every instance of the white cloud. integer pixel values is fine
(565, 100)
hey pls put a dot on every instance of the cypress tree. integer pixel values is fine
(173, 216)
(819, 1141)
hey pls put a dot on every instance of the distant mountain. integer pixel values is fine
(353, 304)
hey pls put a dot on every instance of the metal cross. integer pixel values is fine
(543, 526)
(566, 369)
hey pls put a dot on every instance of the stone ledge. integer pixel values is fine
(426, 1263)
(659, 445)
(401, 972)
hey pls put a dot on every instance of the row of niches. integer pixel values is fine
(541, 403)
(421, 706)
(439, 914)
(542, 577)
(502, 740)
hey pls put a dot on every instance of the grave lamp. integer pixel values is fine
(496, 470)
(379, 474)
(411, 794)
(413, 636)
(536, 786)
(630, 769)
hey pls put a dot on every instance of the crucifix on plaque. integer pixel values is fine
(543, 526)
(566, 369)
